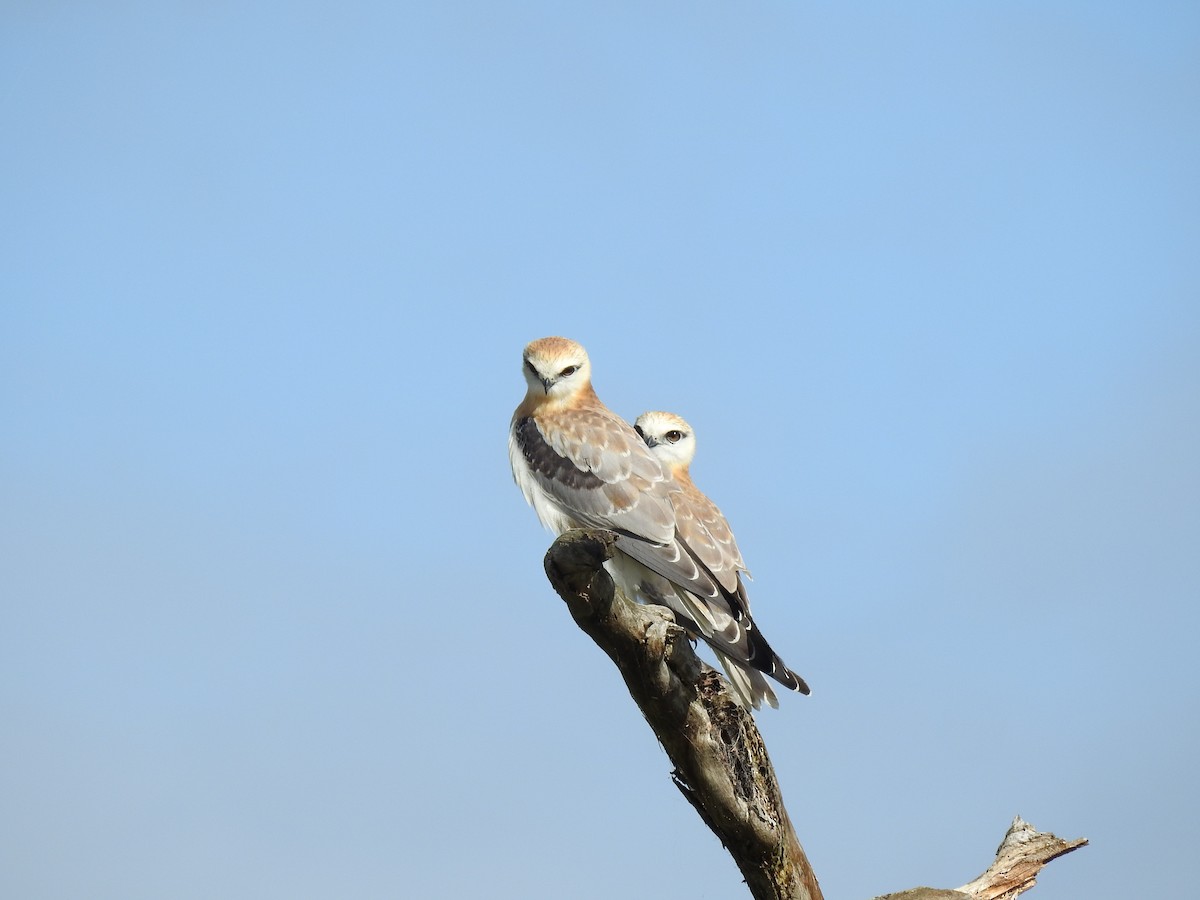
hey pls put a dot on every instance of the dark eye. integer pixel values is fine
(530, 367)
(568, 371)
(674, 436)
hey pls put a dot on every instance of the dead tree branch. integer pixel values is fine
(721, 762)
(1022, 854)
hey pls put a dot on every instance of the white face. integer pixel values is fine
(556, 368)
(669, 438)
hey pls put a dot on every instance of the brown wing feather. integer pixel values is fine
(702, 527)
(597, 474)
(594, 467)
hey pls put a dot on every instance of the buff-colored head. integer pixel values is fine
(556, 369)
(669, 438)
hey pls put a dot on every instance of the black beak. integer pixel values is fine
(546, 382)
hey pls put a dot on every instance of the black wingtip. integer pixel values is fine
(764, 658)
(801, 686)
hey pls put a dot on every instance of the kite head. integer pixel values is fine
(669, 437)
(556, 368)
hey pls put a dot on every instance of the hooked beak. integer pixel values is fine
(546, 382)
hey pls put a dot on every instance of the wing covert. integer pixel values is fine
(597, 475)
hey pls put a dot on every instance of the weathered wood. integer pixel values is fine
(1022, 854)
(721, 762)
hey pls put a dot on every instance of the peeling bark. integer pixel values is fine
(1020, 857)
(1022, 854)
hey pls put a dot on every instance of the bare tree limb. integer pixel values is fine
(1019, 858)
(721, 762)
(1022, 854)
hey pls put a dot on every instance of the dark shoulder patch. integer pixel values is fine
(545, 461)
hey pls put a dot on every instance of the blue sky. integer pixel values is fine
(924, 280)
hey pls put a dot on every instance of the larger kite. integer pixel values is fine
(582, 466)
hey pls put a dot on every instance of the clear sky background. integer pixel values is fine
(273, 621)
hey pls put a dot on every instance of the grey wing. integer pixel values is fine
(586, 467)
(596, 470)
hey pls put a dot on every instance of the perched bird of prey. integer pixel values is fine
(580, 465)
(701, 524)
